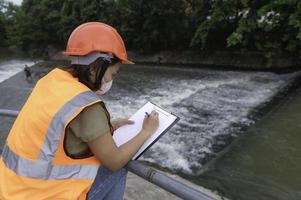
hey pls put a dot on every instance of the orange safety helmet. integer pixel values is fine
(96, 37)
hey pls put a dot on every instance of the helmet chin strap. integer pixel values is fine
(104, 64)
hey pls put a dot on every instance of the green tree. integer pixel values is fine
(39, 23)
(269, 26)
(13, 15)
(154, 25)
(74, 13)
(220, 21)
(3, 33)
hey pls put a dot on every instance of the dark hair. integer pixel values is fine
(83, 73)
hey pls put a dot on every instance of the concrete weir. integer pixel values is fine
(14, 92)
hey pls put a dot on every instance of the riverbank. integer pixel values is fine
(224, 60)
(221, 60)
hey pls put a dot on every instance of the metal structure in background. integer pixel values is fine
(150, 174)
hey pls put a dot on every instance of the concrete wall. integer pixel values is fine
(218, 59)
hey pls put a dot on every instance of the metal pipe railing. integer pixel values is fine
(171, 185)
(9, 113)
(150, 174)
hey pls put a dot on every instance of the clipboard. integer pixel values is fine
(127, 132)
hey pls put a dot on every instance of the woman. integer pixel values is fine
(61, 146)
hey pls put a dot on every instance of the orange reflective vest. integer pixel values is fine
(33, 163)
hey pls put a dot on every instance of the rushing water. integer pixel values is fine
(214, 107)
(9, 68)
(266, 163)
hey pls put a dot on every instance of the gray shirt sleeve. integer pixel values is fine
(90, 124)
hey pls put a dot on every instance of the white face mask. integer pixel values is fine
(105, 87)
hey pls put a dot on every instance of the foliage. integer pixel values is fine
(269, 26)
(3, 24)
(154, 25)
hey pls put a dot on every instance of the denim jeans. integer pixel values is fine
(108, 185)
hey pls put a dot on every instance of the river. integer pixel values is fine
(215, 107)
(266, 162)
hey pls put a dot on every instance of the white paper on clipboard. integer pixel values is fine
(127, 132)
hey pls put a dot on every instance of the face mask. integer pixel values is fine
(105, 87)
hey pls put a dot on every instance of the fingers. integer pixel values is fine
(130, 122)
(154, 113)
(127, 121)
(122, 122)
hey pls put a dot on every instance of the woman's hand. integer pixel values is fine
(121, 122)
(113, 157)
(151, 122)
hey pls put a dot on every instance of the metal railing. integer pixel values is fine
(152, 175)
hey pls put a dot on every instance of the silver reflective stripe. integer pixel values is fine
(43, 167)
(44, 170)
(56, 128)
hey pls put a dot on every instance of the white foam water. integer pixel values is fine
(12, 67)
(211, 105)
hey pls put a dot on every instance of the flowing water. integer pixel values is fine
(266, 162)
(9, 68)
(214, 106)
